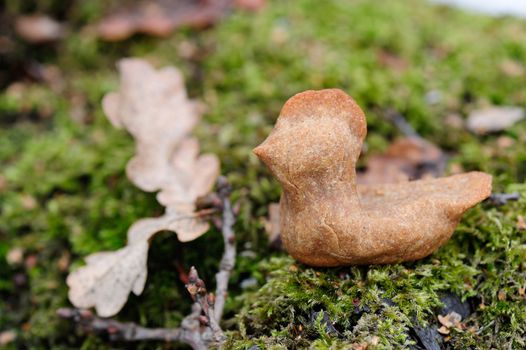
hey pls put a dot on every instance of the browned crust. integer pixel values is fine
(326, 220)
(323, 103)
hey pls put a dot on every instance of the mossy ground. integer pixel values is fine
(64, 193)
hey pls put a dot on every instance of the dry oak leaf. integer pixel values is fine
(153, 106)
(193, 176)
(108, 278)
(326, 220)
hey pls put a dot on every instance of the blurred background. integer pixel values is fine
(63, 190)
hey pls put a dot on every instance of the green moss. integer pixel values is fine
(484, 261)
(63, 191)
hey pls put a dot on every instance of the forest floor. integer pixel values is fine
(64, 193)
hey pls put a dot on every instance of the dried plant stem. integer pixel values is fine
(503, 198)
(402, 124)
(200, 329)
(121, 331)
(205, 302)
(229, 255)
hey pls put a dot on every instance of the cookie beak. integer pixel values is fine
(263, 152)
(268, 150)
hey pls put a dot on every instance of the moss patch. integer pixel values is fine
(483, 263)
(64, 194)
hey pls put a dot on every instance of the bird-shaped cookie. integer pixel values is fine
(326, 219)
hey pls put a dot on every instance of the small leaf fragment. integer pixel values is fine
(108, 278)
(493, 119)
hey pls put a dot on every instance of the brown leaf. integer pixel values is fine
(493, 119)
(108, 278)
(406, 159)
(15, 256)
(153, 106)
(3, 183)
(28, 202)
(512, 68)
(272, 227)
(450, 320)
(250, 5)
(454, 121)
(193, 175)
(161, 17)
(505, 142)
(64, 261)
(7, 337)
(443, 330)
(359, 346)
(391, 60)
(38, 29)
(181, 219)
(521, 223)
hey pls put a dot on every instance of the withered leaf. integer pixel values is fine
(250, 5)
(7, 337)
(493, 119)
(154, 107)
(193, 175)
(409, 158)
(450, 320)
(37, 29)
(443, 330)
(159, 115)
(512, 68)
(15, 256)
(161, 17)
(272, 225)
(521, 223)
(108, 278)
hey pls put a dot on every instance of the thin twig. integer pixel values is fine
(402, 124)
(504, 198)
(121, 331)
(229, 255)
(200, 329)
(197, 289)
